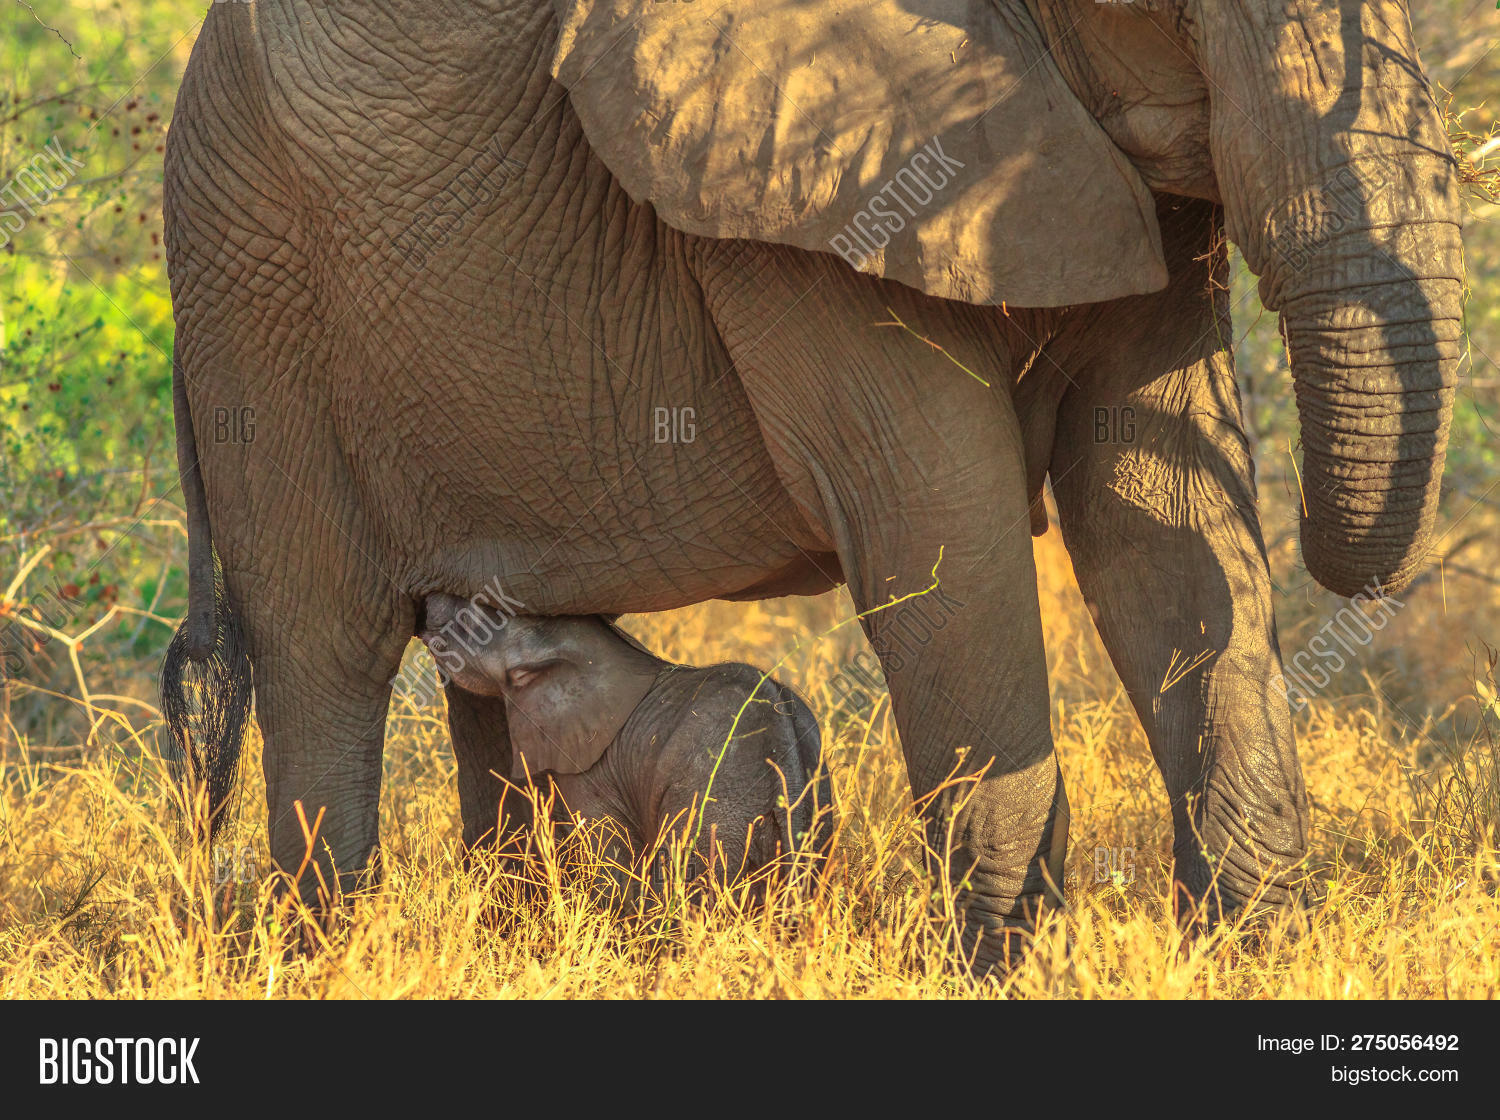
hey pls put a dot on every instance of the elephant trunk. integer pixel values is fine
(1375, 364)
(1341, 191)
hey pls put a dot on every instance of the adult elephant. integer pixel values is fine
(469, 265)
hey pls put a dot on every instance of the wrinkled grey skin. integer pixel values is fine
(633, 741)
(491, 414)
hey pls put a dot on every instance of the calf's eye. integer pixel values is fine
(523, 675)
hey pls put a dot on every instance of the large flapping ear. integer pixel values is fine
(934, 144)
(572, 699)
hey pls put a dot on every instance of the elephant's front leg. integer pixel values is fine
(897, 457)
(1156, 492)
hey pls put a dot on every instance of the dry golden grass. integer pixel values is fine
(99, 897)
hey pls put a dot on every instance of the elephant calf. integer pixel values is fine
(637, 743)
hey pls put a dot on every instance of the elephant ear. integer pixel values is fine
(564, 713)
(934, 144)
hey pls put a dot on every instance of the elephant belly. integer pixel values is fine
(592, 472)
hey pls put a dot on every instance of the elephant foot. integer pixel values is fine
(1001, 892)
(1214, 892)
(994, 949)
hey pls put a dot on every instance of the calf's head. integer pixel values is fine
(569, 684)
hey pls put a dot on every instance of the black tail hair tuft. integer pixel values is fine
(206, 704)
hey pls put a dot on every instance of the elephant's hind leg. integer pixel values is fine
(325, 649)
(899, 456)
(327, 625)
(1156, 491)
(325, 621)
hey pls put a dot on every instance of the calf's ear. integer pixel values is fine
(563, 715)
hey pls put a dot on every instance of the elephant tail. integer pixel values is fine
(206, 681)
(199, 631)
